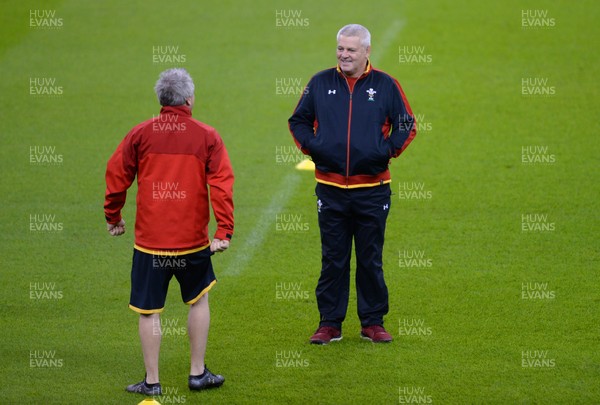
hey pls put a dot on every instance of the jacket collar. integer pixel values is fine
(176, 109)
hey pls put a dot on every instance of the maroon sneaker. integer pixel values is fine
(376, 334)
(326, 334)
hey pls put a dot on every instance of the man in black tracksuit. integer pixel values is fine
(352, 119)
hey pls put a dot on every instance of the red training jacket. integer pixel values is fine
(176, 158)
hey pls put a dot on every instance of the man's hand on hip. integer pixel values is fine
(116, 229)
(219, 245)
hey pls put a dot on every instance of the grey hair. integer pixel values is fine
(356, 30)
(174, 86)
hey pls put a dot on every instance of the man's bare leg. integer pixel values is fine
(198, 324)
(150, 335)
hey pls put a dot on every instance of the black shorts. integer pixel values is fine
(151, 273)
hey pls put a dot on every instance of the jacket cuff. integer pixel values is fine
(222, 234)
(113, 221)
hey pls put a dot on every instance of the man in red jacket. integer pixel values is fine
(176, 160)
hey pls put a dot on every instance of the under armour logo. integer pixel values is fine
(386, 207)
(319, 205)
(331, 92)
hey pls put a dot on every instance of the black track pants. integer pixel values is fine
(345, 215)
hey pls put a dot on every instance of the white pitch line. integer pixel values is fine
(255, 238)
(386, 40)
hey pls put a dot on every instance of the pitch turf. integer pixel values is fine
(492, 243)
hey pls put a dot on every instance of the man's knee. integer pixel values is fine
(203, 300)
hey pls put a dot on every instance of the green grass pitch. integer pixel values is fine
(491, 254)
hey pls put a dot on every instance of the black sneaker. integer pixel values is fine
(209, 380)
(142, 388)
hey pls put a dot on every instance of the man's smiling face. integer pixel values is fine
(352, 56)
